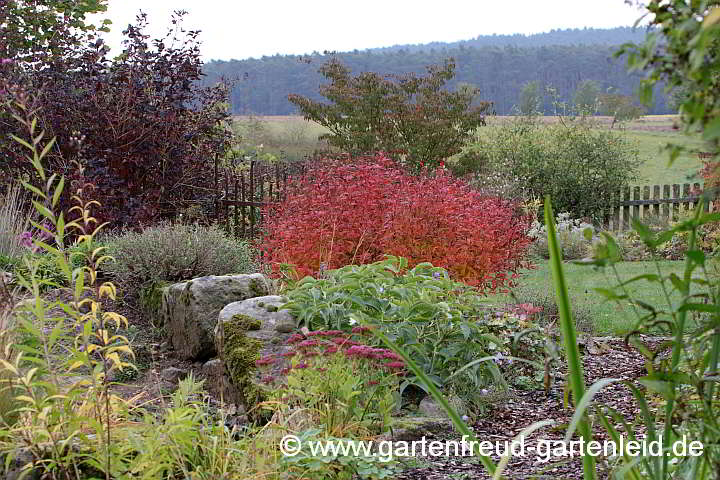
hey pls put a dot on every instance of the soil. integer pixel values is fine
(504, 421)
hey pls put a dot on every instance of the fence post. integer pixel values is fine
(252, 198)
(242, 199)
(666, 205)
(676, 204)
(636, 208)
(235, 207)
(656, 196)
(626, 209)
(616, 210)
(227, 205)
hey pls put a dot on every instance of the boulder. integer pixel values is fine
(430, 408)
(173, 375)
(217, 383)
(246, 332)
(190, 309)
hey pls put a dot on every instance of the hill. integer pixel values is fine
(499, 65)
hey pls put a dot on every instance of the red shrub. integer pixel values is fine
(340, 213)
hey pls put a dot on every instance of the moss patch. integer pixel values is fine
(240, 354)
(151, 301)
(256, 287)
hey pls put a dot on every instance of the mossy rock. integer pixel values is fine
(246, 332)
(190, 309)
(151, 302)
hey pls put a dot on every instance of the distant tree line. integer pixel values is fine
(500, 72)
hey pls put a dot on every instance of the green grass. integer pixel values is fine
(606, 318)
(655, 169)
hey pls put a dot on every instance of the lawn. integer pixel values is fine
(655, 169)
(591, 308)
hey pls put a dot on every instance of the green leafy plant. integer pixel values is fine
(580, 167)
(56, 416)
(443, 324)
(411, 116)
(689, 32)
(346, 385)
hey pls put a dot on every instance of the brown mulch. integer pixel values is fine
(504, 421)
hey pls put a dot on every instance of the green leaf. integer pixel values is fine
(656, 385)
(58, 191)
(567, 324)
(712, 130)
(584, 403)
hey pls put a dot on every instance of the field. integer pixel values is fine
(292, 137)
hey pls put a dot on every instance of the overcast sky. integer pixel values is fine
(253, 28)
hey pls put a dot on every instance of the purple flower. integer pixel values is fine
(6, 61)
(25, 239)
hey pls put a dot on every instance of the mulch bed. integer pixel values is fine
(504, 421)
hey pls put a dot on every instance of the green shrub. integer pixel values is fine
(172, 253)
(579, 167)
(410, 116)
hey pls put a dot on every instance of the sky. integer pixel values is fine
(239, 29)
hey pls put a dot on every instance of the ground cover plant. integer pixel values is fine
(342, 213)
(443, 324)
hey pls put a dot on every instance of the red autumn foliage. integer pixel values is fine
(342, 213)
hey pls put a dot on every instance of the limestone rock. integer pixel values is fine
(246, 332)
(190, 309)
(430, 408)
(173, 375)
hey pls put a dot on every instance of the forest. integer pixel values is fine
(498, 65)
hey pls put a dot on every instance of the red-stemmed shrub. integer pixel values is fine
(342, 213)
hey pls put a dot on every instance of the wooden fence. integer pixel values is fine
(664, 202)
(244, 190)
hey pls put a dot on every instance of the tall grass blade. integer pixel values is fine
(438, 397)
(567, 325)
(14, 220)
